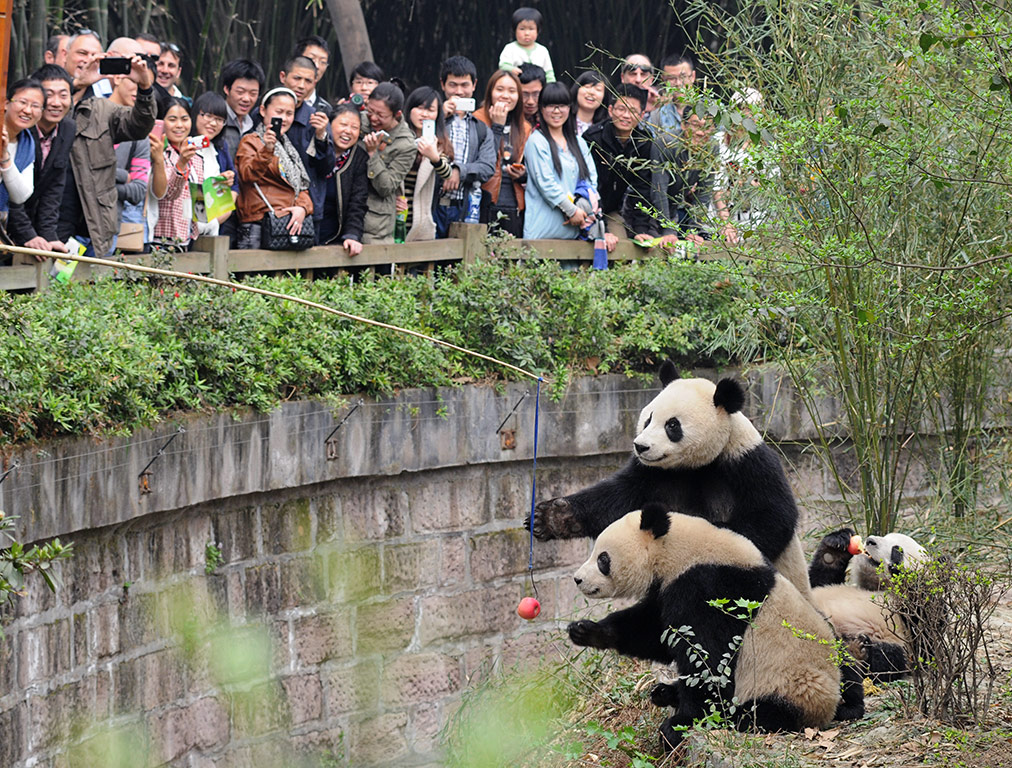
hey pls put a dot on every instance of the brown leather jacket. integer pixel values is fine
(495, 182)
(257, 164)
(100, 126)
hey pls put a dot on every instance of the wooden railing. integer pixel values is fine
(213, 257)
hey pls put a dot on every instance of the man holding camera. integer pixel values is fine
(89, 210)
(474, 151)
(310, 131)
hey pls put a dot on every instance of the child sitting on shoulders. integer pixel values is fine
(525, 48)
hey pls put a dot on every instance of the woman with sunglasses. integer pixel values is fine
(25, 102)
(208, 120)
(557, 159)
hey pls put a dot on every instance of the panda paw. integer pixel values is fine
(664, 695)
(589, 634)
(555, 519)
(829, 563)
(837, 541)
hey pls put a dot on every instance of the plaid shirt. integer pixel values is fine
(175, 210)
(46, 142)
(460, 137)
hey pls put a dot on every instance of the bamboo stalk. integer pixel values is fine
(198, 67)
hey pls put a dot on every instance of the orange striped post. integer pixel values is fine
(6, 11)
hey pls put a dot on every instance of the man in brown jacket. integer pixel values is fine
(89, 207)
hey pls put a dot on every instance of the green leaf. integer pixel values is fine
(926, 41)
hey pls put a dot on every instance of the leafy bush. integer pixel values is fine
(119, 354)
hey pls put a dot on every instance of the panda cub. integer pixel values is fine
(857, 609)
(697, 454)
(675, 565)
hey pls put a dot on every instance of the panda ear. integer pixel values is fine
(668, 373)
(654, 518)
(729, 395)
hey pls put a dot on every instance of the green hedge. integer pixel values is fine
(123, 353)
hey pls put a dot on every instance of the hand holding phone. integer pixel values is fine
(429, 130)
(158, 131)
(114, 65)
(465, 105)
(276, 123)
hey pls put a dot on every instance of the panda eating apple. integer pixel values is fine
(857, 608)
(697, 454)
(784, 673)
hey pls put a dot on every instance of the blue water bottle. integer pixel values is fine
(473, 205)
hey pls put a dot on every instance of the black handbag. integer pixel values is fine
(274, 234)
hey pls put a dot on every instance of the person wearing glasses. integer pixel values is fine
(33, 224)
(209, 114)
(25, 101)
(678, 75)
(556, 159)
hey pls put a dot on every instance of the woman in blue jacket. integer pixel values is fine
(25, 102)
(557, 159)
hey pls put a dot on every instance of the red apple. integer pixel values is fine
(529, 608)
(856, 546)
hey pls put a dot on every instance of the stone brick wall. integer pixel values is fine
(357, 597)
(378, 600)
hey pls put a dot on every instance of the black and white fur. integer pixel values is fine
(697, 454)
(855, 604)
(674, 565)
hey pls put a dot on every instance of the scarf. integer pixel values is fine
(341, 160)
(292, 169)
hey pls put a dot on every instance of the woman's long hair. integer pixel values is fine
(592, 77)
(423, 96)
(515, 119)
(557, 93)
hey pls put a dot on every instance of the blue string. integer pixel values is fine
(534, 484)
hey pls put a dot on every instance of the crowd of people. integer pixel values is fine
(102, 145)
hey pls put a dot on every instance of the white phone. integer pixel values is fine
(429, 130)
(464, 105)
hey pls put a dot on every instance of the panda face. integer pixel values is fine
(682, 426)
(894, 549)
(882, 556)
(619, 566)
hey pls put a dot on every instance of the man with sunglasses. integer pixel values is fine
(170, 67)
(638, 70)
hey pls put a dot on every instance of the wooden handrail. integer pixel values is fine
(213, 257)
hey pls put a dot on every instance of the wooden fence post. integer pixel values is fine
(473, 237)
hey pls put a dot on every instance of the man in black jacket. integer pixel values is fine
(628, 165)
(310, 131)
(33, 224)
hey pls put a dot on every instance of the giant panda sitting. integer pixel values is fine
(783, 674)
(697, 454)
(857, 609)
